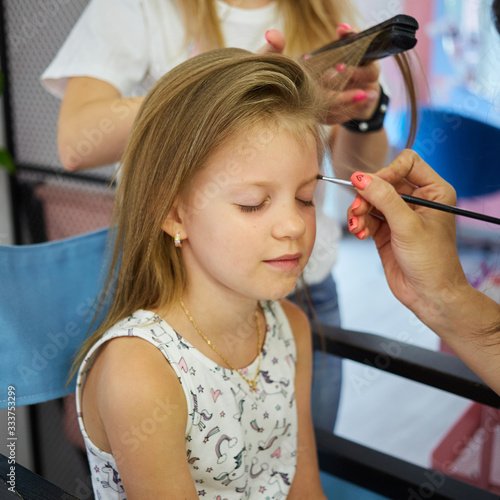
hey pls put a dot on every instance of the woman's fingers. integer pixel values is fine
(345, 30)
(363, 76)
(275, 43)
(356, 99)
(363, 219)
(385, 198)
(349, 104)
(408, 171)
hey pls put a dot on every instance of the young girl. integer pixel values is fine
(197, 383)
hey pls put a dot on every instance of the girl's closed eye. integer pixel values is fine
(252, 208)
(251, 201)
(260, 206)
(305, 196)
(306, 203)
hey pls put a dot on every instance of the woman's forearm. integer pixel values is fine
(469, 322)
(94, 124)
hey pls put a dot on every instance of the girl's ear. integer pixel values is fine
(173, 225)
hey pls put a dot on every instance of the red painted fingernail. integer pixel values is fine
(361, 234)
(353, 223)
(340, 67)
(360, 180)
(266, 35)
(356, 203)
(346, 26)
(359, 96)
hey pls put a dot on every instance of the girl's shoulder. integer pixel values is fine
(129, 362)
(125, 378)
(128, 354)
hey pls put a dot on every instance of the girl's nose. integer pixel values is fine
(289, 224)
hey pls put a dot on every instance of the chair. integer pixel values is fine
(47, 294)
(27, 484)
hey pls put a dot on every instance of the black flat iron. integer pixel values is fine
(394, 36)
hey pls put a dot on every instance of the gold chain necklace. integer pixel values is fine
(251, 382)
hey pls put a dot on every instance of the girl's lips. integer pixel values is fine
(285, 262)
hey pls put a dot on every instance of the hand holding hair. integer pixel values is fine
(362, 82)
(358, 96)
(353, 95)
(359, 87)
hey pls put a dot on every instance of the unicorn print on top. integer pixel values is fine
(239, 444)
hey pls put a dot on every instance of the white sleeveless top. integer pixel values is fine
(238, 444)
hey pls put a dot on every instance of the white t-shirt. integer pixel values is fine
(132, 43)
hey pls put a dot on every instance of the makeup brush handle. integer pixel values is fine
(448, 208)
(426, 203)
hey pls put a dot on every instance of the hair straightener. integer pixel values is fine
(393, 36)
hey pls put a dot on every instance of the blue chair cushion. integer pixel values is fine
(47, 294)
(464, 151)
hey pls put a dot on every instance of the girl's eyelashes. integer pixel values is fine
(306, 203)
(255, 208)
(251, 208)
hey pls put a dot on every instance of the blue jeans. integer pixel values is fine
(327, 369)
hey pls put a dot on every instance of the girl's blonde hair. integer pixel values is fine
(189, 114)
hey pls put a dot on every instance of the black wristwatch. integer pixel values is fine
(376, 122)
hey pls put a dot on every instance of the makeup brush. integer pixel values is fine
(425, 203)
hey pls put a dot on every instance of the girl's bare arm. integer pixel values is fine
(306, 483)
(141, 419)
